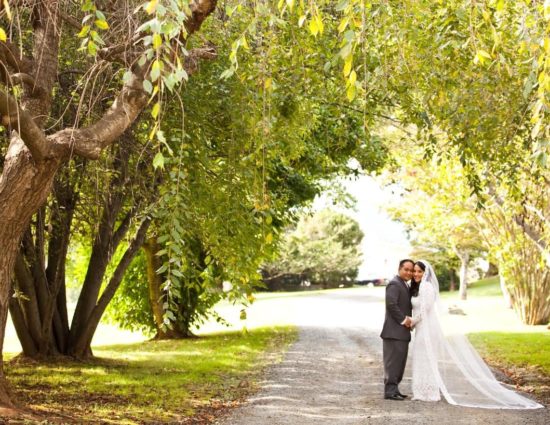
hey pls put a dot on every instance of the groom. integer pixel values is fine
(396, 333)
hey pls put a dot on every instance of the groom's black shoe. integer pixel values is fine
(402, 395)
(394, 397)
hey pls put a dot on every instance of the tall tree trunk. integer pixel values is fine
(464, 257)
(80, 347)
(452, 284)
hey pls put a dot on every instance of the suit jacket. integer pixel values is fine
(398, 305)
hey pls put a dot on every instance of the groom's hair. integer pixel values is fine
(406, 260)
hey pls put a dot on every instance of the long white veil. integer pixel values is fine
(464, 378)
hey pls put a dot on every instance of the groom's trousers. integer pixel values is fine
(395, 358)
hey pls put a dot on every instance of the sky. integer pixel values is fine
(385, 241)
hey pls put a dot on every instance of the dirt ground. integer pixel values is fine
(333, 375)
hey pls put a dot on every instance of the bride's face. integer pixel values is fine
(417, 273)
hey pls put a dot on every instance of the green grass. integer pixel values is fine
(489, 287)
(154, 381)
(517, 349)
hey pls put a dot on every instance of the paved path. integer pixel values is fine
(333, 375)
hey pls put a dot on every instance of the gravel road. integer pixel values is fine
(333, 374)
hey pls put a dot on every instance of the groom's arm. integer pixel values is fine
(392, 295)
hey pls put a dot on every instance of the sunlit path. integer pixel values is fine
(333, 373)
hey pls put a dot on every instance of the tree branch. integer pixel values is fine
(90, 141)
(14, 59)
(21, 121)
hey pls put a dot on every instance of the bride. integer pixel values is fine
(449, 365)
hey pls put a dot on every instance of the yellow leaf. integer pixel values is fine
(245, 43)
(269, 238)
(352, 78)
(350, 93)
(101, 24)
(151, 7)
(343, 25)
(267, 83)
(84, 31)
(157, 41)
(155, 111)
(153, 131)
(3, 36)
(313, 28)
(347, 65)
(320, 24)
(482, 56)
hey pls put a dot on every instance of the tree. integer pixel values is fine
(29, 77)
(323, 249)
(436, 204)
(516, 228)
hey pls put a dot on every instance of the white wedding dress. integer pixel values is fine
(448, 365)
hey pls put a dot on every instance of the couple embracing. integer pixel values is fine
(443, 364)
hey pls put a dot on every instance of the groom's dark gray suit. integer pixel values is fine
(396, 337)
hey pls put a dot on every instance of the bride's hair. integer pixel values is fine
(416, 285)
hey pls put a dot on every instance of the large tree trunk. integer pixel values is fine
(39, 309)
(24, 187)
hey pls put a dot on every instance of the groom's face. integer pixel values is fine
(406, 271)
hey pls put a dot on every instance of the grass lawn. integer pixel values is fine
(519, 349)
(154, 381)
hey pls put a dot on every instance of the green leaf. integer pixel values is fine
(228, 73)
(158, 162)
(92, 48)
(155, 70)
(148, 86)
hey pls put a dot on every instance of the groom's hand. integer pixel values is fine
(408, 322)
